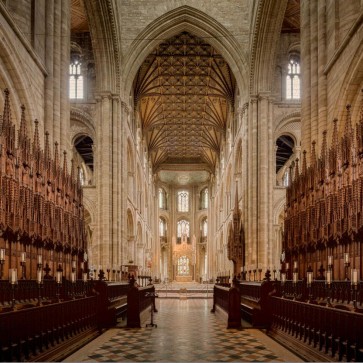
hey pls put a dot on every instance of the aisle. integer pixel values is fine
(187, 332)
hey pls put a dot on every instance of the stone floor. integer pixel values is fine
(186, 332)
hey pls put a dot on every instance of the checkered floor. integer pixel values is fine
(186, 332)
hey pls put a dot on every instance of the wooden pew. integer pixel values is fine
(48, 332)
(226, 303)
(112, 302)
(140, 300)
(315, 332)
(255, 307)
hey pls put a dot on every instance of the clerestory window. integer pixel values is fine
(293, 84)
(75, 80)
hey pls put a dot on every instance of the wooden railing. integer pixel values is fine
(338, 293)
(29, 333)
(318, 333)
(255, 307)
(138, 300)
(228, 299)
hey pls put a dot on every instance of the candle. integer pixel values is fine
(13, 273)
(330, 260)
(23, 255)
(73, 276)
(295, 264)
(328, 277)
(39, 276)
(346, 257)
(85, 277)
(59, 277)
(294, 277)
(287, 265)
(354, 276)
(39, 259)
(2, 254)
(73, 264)
(310, 277)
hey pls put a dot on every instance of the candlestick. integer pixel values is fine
(328, 277)
(295, 277)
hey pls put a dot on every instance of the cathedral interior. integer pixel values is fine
(205, 153)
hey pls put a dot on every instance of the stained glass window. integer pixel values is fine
(183, 266)
(162, 227)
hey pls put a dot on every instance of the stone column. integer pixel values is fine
(103, 174)
(305, 76)
(314, 71)
(124, 178)
(322, 91)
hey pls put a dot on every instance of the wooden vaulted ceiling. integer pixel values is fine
(184, 92)
(291, 22)
(79, 21)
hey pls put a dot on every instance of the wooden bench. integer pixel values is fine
(255, 308)
(226, 303)
(112, 302)
(140, 300)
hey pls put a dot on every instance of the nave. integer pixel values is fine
(186, 332)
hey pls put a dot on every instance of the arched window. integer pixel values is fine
(81, 176)
(285, 148)
(75, 80)
(183, 201)
(204, 198)
(204, 227)
(162, 227)
(286, 181)
(183, 230)
(293, 79)
(162, 198)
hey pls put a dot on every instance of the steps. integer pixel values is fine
(184, 291)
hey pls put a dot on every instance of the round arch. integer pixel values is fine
(185, 18)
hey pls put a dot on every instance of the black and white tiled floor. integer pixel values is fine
(187, 332)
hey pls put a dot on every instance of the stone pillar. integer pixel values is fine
(252, 185)
(314, 71)
(305, 76)
(64, 141)
(104, 178)
(49, 80)
(263, 180)
(322, 49)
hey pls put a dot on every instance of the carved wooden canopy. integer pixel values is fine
(184, 95)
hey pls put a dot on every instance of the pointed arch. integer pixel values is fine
(185, 18)
(267, 28)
